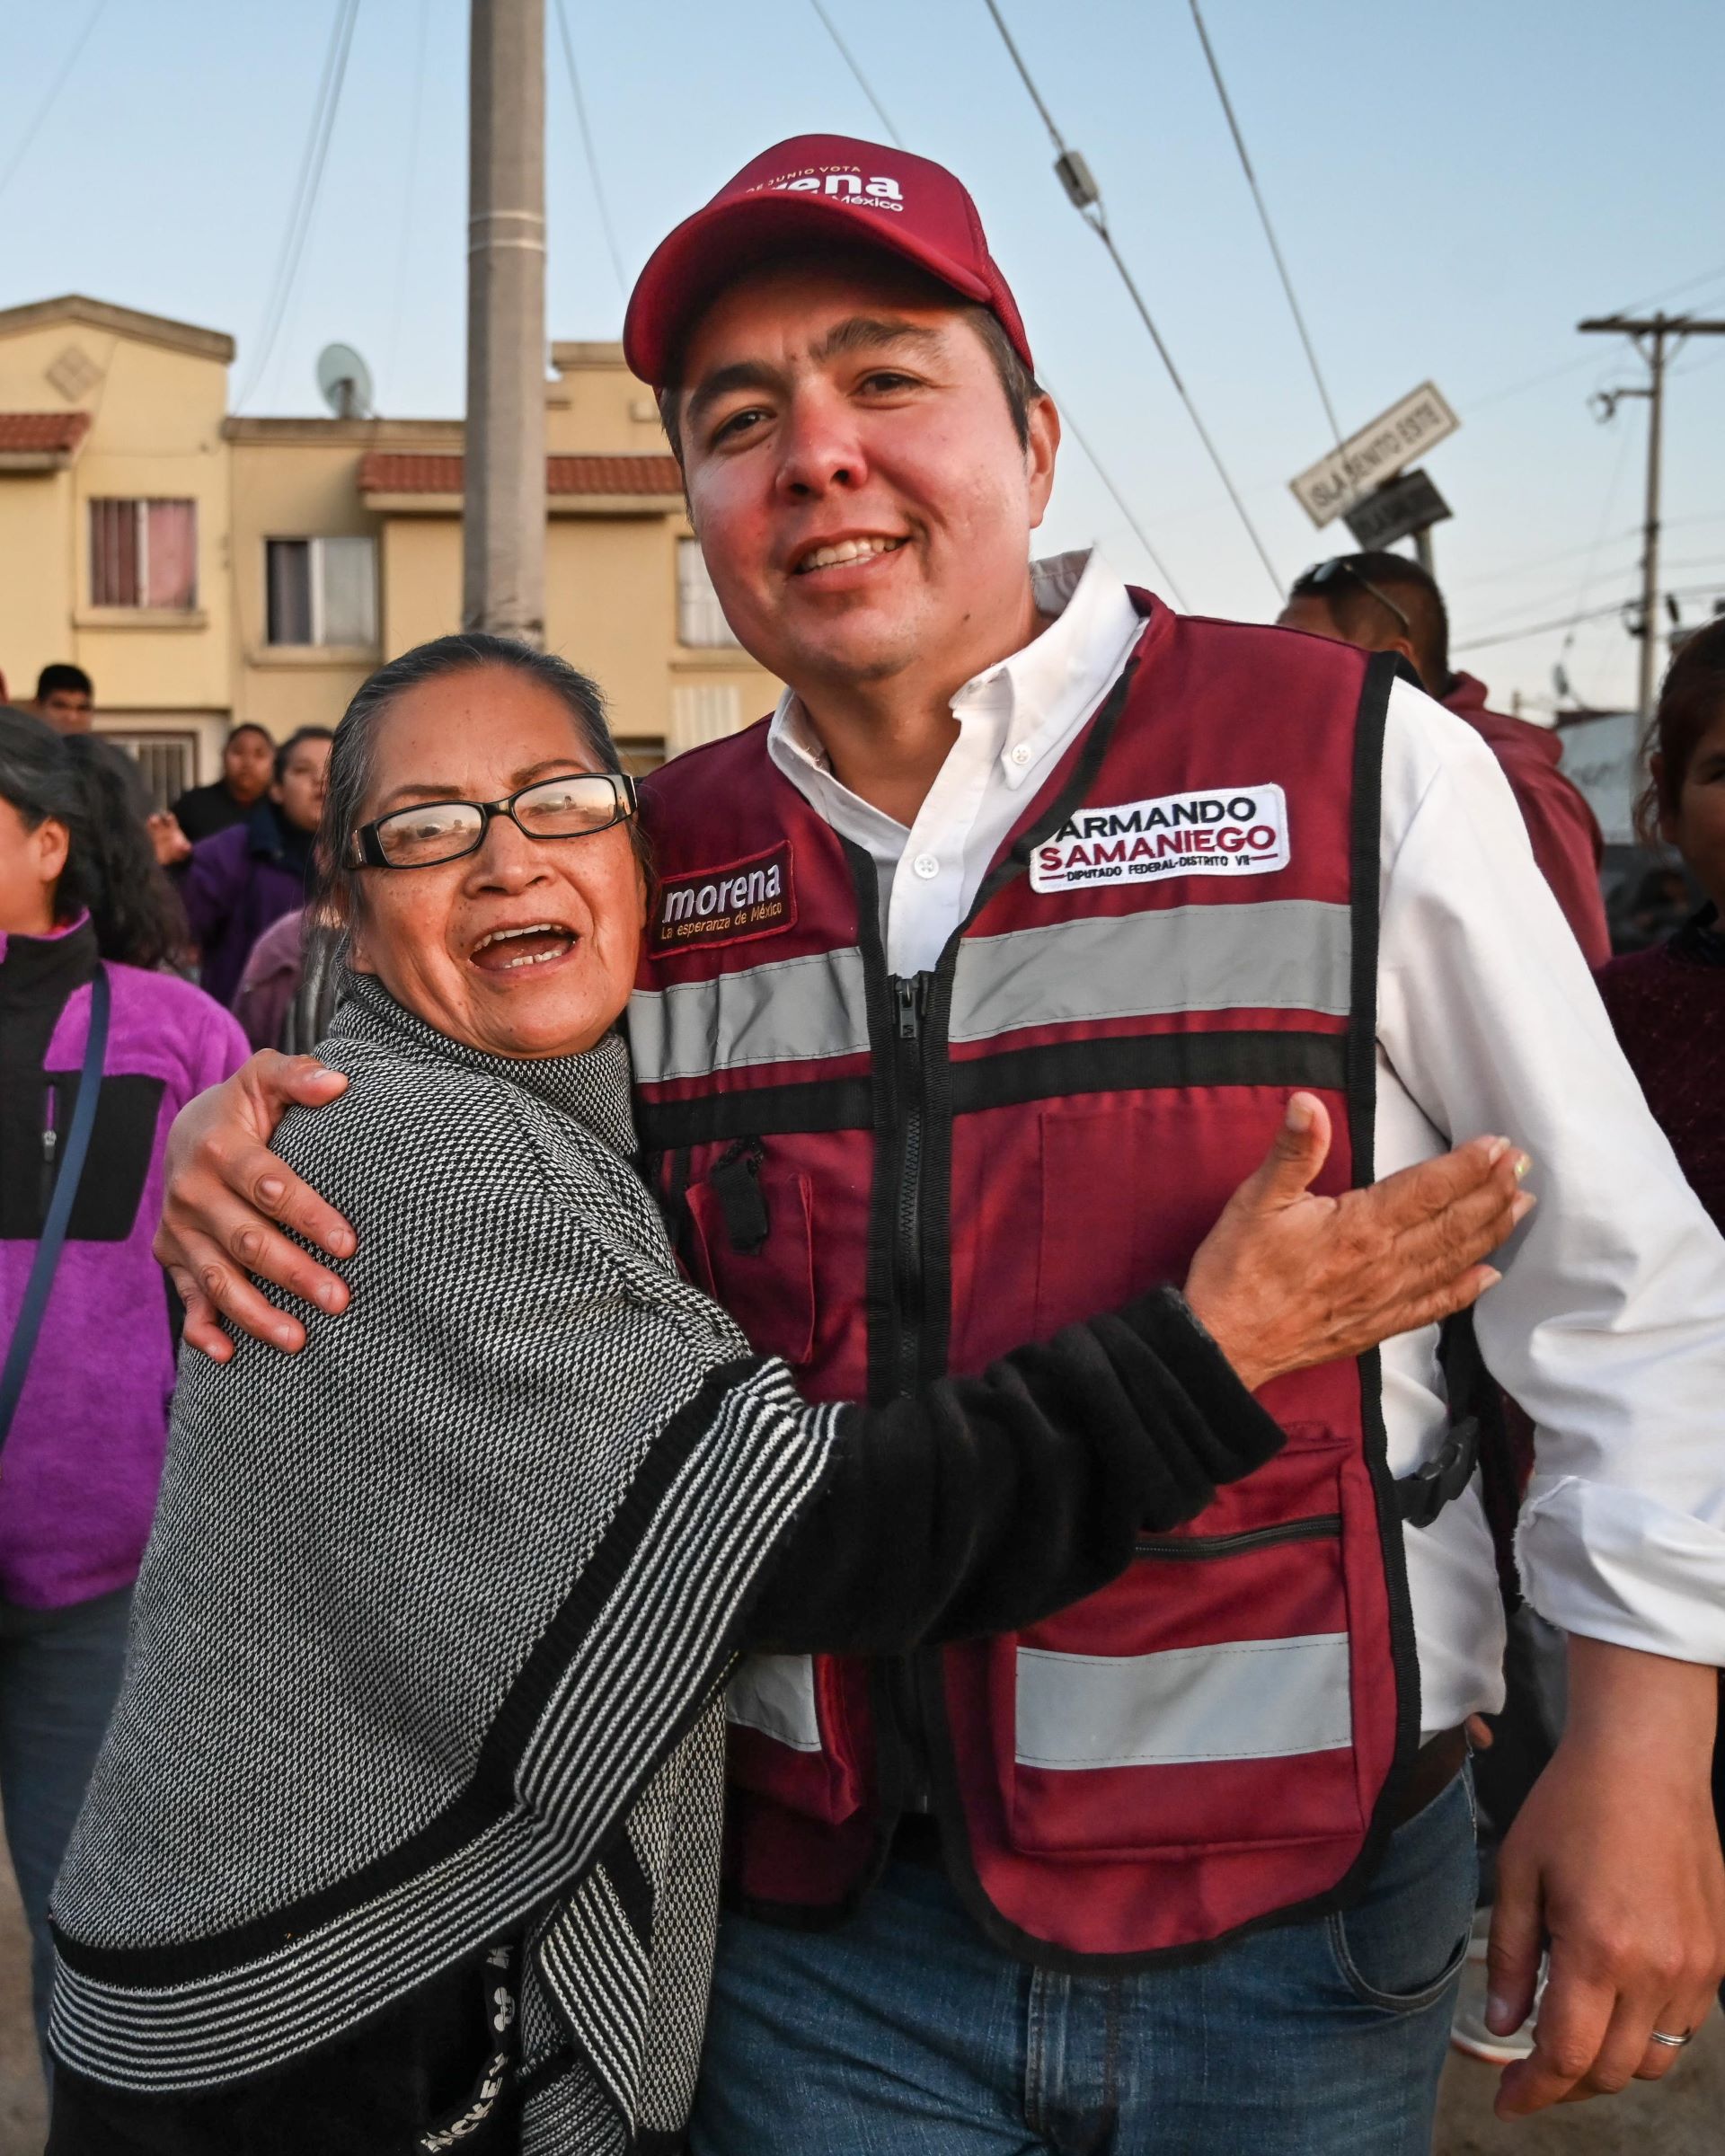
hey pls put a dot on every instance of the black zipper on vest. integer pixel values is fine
(908, 1759)
(1319, 1527)
(910, 1001)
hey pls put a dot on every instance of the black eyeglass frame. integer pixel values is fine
(370, 846)
(1339, 565)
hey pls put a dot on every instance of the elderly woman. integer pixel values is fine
(406, 1833)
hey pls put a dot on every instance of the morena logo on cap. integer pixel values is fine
(840, 184)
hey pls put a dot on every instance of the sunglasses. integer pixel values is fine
(576, 806)
(1326, 573)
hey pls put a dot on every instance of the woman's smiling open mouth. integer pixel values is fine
(535, 943)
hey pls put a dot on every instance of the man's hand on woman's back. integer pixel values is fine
(227, 1192)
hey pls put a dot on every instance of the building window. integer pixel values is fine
(700, 618)
(322, 591)
(143, 553)
(169, 761)
(702, 711)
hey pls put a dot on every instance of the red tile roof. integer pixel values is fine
(38, 433)
(392, 472)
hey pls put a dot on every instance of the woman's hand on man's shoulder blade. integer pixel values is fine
(227, 1198)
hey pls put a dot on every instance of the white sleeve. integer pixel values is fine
(1609, 1324)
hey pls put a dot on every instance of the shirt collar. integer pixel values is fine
(1026, 701)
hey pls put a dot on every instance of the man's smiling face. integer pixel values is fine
(854, 474)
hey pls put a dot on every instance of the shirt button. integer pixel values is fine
(926, 867)
(1021, 754)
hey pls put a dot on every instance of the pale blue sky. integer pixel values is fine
(1455, 185)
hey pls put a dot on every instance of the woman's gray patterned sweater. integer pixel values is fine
(429, 1641)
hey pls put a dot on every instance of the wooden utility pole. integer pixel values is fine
(503, 516)
(1656, 337)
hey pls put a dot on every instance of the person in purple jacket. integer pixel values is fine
(81, 1462)
(237, 883)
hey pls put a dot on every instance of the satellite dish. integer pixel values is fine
(344, 380)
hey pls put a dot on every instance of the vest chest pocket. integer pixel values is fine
(752, 1249)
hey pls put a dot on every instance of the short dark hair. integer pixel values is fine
(470, 651)
(110, 866)
(59, 676)
(1692, 699)
(299, 734)
(1354, 611)
(1021, 385)
(249, 726)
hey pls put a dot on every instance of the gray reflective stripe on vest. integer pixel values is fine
(1280, 954)
(1243, 1699)
(792, 1010)
(775, 1695)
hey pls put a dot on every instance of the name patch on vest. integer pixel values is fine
(1242, 831)
(728, 904)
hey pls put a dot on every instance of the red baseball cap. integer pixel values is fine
(805, 193)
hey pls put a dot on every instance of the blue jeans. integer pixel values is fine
(59, 1677)
(906, 2034)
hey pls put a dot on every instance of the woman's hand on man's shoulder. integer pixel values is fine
(226, 1194)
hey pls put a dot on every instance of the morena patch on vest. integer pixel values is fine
(1233, 831)
(727, 905)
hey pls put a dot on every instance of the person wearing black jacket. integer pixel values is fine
(248, 766)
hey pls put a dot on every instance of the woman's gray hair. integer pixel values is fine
(353, 755)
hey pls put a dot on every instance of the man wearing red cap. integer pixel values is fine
(979, 978)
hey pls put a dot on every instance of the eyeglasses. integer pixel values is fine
(1314, 579)
(576, 805)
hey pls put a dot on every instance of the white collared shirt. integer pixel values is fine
(1014, 722)
(1609, 1323)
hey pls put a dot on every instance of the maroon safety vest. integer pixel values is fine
(887, 1179)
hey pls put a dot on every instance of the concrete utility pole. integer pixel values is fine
(1656, 337)
(503, 518)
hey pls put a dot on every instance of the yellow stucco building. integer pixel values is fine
(204, 568)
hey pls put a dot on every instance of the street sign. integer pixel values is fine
(1391, 512)
(1377, 453)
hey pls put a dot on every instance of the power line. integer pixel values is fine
(1571, 366)
(1571, 621)
(1507, 571)
(1086, 198)
(1071, 424)
(1264, 217)
(42, 111)
(603, 206)
(849, 59)
(306, 192)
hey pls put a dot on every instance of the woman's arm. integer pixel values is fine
(983, 1504)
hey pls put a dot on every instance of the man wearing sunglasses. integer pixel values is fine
(1384, 602)
(979, 978)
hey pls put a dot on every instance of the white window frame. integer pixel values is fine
(315, 543)
(701, 623)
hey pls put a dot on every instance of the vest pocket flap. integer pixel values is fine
(1205, 1696)
(754, 1252)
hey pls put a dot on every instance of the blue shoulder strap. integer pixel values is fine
(23, 1344)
